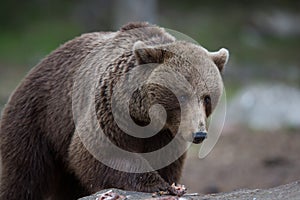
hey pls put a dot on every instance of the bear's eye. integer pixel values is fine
(207, 105)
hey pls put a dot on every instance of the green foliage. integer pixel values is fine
(35, 41)
(31, 29)
(16, 14)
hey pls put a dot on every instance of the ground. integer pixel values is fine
(244, 159)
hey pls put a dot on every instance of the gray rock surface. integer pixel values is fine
(287, 192)
(265, 107)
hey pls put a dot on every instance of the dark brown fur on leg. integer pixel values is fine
(31, 168)
(19, 180)
(27, 159)
(99, 176)
(67, 187)
(171, 174)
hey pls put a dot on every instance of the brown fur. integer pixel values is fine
(41, 155)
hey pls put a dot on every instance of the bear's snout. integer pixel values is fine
(198, 137)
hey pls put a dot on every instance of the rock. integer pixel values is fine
(277, 23)
(265, 107)
(288, 192)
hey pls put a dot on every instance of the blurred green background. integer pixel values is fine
(263, 38)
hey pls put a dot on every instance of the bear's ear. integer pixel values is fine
(220, 58)
(147, 54)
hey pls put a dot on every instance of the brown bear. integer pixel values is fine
(49, 148)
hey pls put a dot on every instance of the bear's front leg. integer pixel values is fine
(144, 182)
(172, 172)
(95, 176)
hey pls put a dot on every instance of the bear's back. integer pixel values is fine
(47, 89)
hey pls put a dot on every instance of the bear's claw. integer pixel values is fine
(174, 189)
(177, 189)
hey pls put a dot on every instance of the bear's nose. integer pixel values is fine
(198, 137)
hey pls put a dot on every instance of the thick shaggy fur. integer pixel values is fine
(43, 158)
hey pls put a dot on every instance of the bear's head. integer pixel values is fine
(186, 81)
